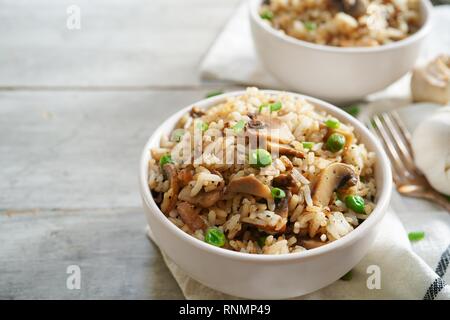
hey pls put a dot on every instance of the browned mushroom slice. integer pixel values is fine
(249, 185)
(284, 149)
(170, 197)
(311, 243)
(269, 128)
(185, 175)
(355, 8)
(189, 214)
(196, 112)
(335, 176)
(285, 181)
(203, 199)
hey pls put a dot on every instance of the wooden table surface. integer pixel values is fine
(76, 108)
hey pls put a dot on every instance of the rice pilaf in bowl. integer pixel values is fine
(263, 173)
(344, 23)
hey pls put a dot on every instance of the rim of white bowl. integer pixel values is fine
(425, 29)
(377, 214)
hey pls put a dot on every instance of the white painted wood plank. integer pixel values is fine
(116, 259)
(121, 43)
(73, 149)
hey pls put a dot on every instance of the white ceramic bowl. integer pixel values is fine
(335, 74)
(266, 276)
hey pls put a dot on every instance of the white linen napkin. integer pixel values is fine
(408, 270)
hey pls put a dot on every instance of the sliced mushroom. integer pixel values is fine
(311, 243)
(334, 177)
(285, 181)
(431, 82)
(355, 8)
(249, 185)
(189, 214)
(202, 199)
(269, 128)
(185, 175)
(170, 197)
(196, 112)
(284, 149)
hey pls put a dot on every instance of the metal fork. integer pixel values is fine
(397, 141)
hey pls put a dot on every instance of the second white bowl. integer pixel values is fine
(335, 74)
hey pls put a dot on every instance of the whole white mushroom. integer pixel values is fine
(431, 147)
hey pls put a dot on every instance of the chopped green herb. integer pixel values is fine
(261, 107)
(278, 193)
(260, 158)
(348, 276)
(275, 106)
(202, 126)
(177, 135)
(266, 14)
(353, 110)
(213, 93)
(215, 237)
(335, 142)
(416, 235)
(333, 123)
(310, 26)
(308, 145)
(165, 159)
(262, 241)
(239, 126)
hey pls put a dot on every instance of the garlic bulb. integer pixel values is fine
(431, 147)
(431, 82)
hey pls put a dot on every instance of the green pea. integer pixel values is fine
(355, 203)
(335, 142)
(213, 93)
(310, 26)
(165, 159)
(260, 158)
(278, 193)
(215, 237)
(308, 145)
(266, 15)
(239, 126)
(262, 241)
(202, 126)
(333, 123)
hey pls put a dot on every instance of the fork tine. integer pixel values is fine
(398, 134)
(372, 128)
(402, 127)
(398, 169)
